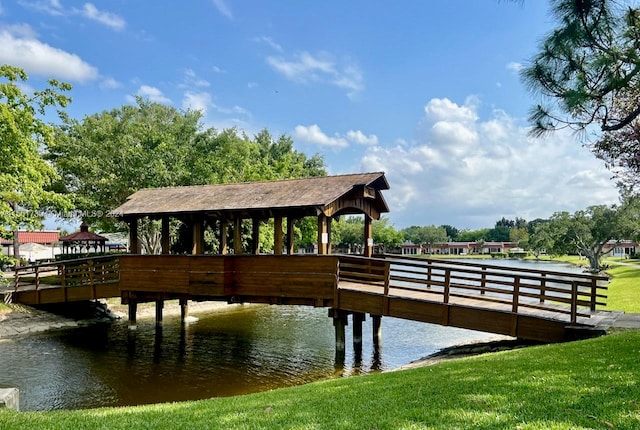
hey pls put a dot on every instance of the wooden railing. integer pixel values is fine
(517, 288)
(91, 271)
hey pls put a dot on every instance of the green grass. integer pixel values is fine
(588, 384)
(624, 289)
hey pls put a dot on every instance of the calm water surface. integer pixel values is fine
(241, 350)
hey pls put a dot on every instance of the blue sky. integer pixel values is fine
(426, 91)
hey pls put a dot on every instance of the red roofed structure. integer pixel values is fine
(41, 237)
(83, 241)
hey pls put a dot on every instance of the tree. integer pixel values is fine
(452, 232)
(425, 235)
(586, 232)
(108, 156)
(26, 179)
(352, 233)
(473, 235)
(540, 240)
(586, 65)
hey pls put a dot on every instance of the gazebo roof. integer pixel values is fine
(84, 235)
(308, 196)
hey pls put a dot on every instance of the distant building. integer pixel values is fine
(34, 245)
(622, 248)
(457, 248)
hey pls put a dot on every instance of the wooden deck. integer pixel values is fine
(529, 304)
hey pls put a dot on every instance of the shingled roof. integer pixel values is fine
(305, 195)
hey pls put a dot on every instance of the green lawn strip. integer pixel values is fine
(585, 384)
(624, 289)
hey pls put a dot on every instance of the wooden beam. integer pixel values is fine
(368, 236)
(323, 234)
(255, 236)
(224, 247)
(290, 235)
(166, 238)
(134, 241)
(198, 237)
(237, 235)
(277, 235)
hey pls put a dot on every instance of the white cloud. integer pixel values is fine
(108, 83)
(313, 134)
(50, 7)
(514, 66)
(359, 137)
(269, 42)
(469, 171)
(223, 8)
(109, 19)
(197, 101)
(307, 68)
(152, 94)
(191, 79)
(20, 47)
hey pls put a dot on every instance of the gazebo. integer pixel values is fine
(83, 242)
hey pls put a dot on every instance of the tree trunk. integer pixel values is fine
(16, 240)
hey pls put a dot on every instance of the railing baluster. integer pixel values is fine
(574, 302)
(543, 287)
(483, 282)
(516, 294)
(447, 284)
(594, 293)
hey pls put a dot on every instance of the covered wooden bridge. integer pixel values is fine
(530, 304)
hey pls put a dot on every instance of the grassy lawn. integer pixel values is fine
(588, 384)
(624, 288)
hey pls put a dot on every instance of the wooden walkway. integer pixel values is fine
(529, 304)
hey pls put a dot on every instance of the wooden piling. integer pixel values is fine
(184, 310)
(358, 319)
(159, 306)
(133, 308)
(339, 324)
(377, 330)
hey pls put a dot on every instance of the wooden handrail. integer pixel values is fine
(525, 288)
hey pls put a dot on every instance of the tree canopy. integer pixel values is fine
(586, 232)
(588, 63)
(26, 179)
(109, 155)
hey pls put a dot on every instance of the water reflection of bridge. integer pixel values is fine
(526, 303)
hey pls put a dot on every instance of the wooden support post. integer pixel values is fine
(339, 323)
(166, 236)
(133, 308)
(328, 245)
(159, 306)
(323, 235)
(255, 236)
(134, 242)
(290, 241)
(237, 235)
(184, 310)
(358, 319)
(377, 330)
(368, 236)
(224, 247)
(277, 235)
(198, 237)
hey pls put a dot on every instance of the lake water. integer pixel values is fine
(245, 349)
